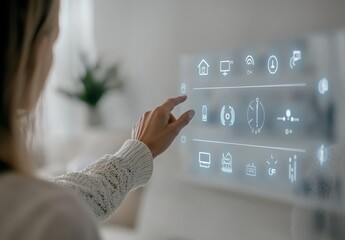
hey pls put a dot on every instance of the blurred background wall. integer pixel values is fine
(147, 38)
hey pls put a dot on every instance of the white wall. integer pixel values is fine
(62, 115)
(149, 36)
(141, 35)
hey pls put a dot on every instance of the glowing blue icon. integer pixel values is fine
(183, 139)
(251, 170)
(272, 171)
(204, 159)
(323, 86)
(227, 163)
(204, 113)
(293, 168)
(183, 88)
(288, 118)
(250, 62)
(296, 56)
(322, 155)
(272, 166)
(272, 64)
(227, 115)
(256, 116)
(224, 67)
(288, 131)
(203, 68)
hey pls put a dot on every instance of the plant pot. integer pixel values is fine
(94, 117)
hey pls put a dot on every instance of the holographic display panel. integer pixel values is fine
(266, 115)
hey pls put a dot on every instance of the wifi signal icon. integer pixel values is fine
(250, 62)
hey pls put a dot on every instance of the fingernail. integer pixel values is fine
(191, 114)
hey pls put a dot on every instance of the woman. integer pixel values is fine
(31, 208)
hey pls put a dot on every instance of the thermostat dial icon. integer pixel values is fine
(227, 116)
(256, 116)
(272, 64)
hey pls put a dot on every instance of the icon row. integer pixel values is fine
(251, 168)
(255, 116)
(249, 61)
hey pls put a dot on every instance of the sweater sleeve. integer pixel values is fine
(103, 185)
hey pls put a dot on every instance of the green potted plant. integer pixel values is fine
(94, 84)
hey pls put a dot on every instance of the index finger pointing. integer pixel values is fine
(171, 103)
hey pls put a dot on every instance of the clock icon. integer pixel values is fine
(256, 116)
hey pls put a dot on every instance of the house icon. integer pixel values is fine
(203, 68)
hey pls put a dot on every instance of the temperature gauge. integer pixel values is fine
(256, 115)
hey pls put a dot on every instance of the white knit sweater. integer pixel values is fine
(33, 209)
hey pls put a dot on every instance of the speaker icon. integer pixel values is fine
(227, 116)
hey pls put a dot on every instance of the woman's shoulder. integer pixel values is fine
(19, 191)
(35, 209)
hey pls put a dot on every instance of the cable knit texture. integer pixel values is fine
(104, 184)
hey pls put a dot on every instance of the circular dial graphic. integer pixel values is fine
(227, 116)
(256, 115)
(272, 64)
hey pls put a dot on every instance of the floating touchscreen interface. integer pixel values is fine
(266, 115)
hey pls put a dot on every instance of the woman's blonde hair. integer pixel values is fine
(23, 24)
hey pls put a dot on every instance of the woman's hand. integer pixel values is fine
(158, 128)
